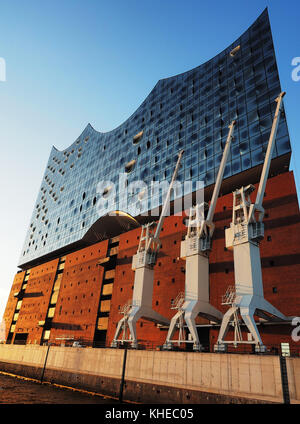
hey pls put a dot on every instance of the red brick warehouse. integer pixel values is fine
(90, 297)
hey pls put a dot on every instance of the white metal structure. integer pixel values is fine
(143, 263)
(195, 250)
(123, 323)
(229, 298)
(243, 237)
(177, 304)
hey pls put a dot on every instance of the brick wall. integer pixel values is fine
(78, 300)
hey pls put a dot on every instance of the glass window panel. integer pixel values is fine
(254, 129)
(253, 116)
(235, 150)
(244, 135)
(218, 159)
(244, 147)
(282, 129)
(236, 165)
(209, 152)
(202, 154)
(246, 161)
(227, 170)
(187, 174)
(202, 167)
(194, 160)
(265, 123)
(255, 142)
(188, 162)
(257, 156)
(264, 110)
(210, 163)
(242, 121)
(210, 177)
(241, 109)
(283, 145)
(194, 170)
(218, 147)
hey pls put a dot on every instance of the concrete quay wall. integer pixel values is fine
(157, 376)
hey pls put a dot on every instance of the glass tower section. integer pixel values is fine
(189, 111)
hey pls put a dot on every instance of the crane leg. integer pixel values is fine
(118, 330)
(220, 346)
(191, 312)
(168, 344)
(266, 306)
(135, 314)
(248, 318)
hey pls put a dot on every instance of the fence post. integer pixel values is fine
(43, 372)
(123, 376)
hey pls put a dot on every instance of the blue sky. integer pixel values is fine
(71, 62)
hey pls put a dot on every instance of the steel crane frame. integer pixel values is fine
(243, 237)
(143, 263)
(195, 251)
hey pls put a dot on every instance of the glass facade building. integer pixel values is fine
(189, 111)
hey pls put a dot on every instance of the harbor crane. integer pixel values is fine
(195, 251)
(143, 263)
(243, 237)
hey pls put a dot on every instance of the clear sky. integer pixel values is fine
(71, 62)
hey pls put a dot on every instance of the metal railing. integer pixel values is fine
(271, 349)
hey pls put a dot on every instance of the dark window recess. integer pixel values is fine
(269, 238)
(274, 290)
